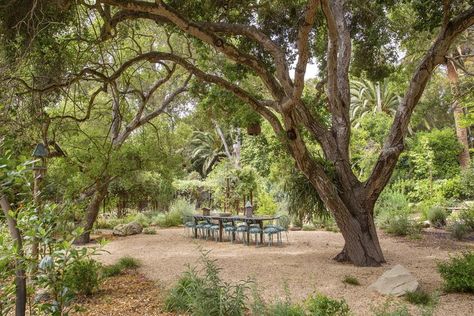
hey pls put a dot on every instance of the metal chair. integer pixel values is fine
(230, 229)
(189, 225)
(242, 229)
(254, 229)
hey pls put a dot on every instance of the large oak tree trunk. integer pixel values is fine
(92, 210)
(362, 246)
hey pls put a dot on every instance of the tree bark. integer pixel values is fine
(20, 275)
(458, 112)
(92, 210)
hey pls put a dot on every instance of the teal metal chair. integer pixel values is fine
(281, 226)
(242, 229)
(189, 225)
(230, 230)
(255, 230)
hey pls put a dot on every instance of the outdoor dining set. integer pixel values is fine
(238, 228)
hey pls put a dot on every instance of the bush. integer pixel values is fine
(467, 183)
(391, 309)
(458, 273)
(139, 218)
(419, 297)
(149, 231)
(121, 265)
(323, 305)
(352, 280)
(128, 263)
(202, 292)
(285, 308)
(401, 225)
(437, 216)
(458, 230)
(467, 217)
(82, 277)
(179, 209)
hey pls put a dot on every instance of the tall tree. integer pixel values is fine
(248, 47)
(266, 39)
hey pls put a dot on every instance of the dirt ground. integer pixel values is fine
(304, 265)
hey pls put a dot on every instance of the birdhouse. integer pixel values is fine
(248, 209)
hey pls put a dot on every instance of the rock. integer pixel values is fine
(426, 224)
(396, 281)
(132, 228)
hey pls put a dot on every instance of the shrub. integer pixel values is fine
(179, 209)
(82, 277)
(352, 280)
(266, 204)
(128, 263)
(285, 308)
(323, 305)
(458, 230)
(112, 270)
(402, 225)
(467, 183)
(467, 217)
(202, 292)
(437, 216)
(458, 273)
(419, 297)
(149, 231)
(391, 309)
(121, 265)
(139, 218)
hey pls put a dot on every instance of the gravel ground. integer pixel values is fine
(304, 265)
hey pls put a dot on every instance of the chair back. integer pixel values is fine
(284, 221)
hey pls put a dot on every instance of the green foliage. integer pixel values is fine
(458, 230)
(437, 216)
(419, 297)
(402, 225)
(322, 305)
(367, 140)
(350, 279)
(266, 204)
(202, 292)
(285, 308)
(139, 218)
(124, 263)
(391, 309)
(467, 183)
(458, 273)
(391, 201)
(149, 231)
(179, 209)
(434, 153)
(128, 263)
(82, 277)
(467, 217)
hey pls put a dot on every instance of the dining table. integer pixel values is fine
(221, 220)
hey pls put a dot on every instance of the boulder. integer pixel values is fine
(132, 228)
(396, 281)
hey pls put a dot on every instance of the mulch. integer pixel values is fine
(129, 294)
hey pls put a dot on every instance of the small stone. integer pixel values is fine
(396, 281)
(426, 224)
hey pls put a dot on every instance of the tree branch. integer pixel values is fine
(395, 141)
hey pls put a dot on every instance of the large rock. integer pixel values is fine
(396, 281)
(132, 228)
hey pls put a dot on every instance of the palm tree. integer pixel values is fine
(369, 97)
(206, 149)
